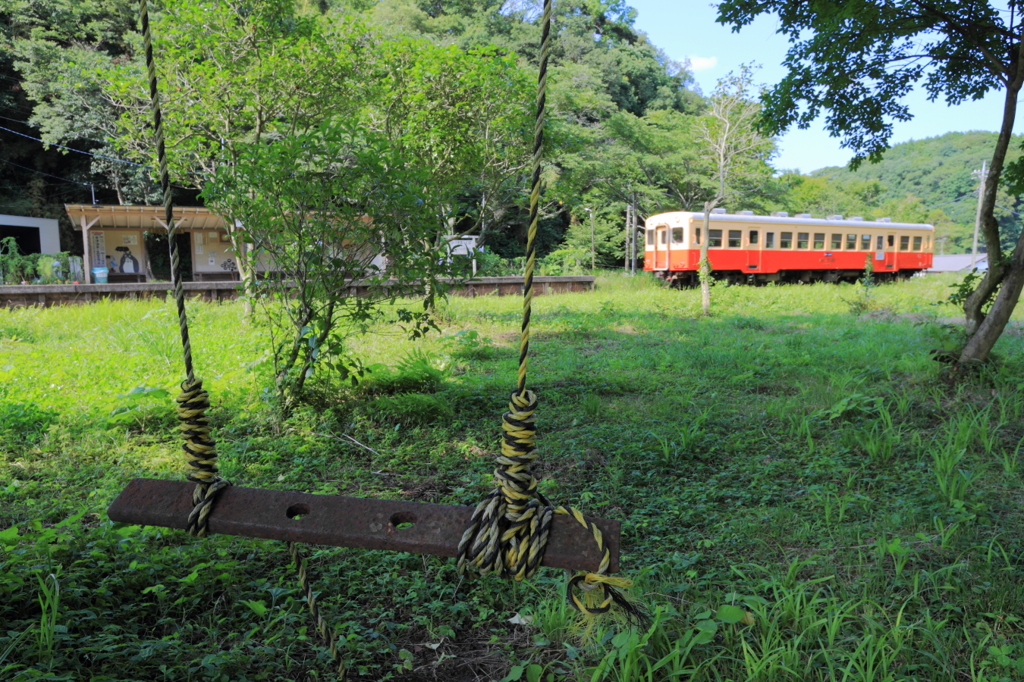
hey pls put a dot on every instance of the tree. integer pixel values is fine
(323, 205)
(736, 153)
(855, 61)
(234, 73)
(59, 48)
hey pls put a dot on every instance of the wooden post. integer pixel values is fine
(86, 251)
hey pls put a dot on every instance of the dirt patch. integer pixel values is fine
(428, 490)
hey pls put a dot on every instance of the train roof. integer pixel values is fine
(678, 217)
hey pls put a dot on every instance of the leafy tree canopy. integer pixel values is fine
(854, 62)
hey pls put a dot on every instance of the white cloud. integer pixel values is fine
(702, 63)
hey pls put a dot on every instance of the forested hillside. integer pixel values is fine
(441, 79)
(927, 180)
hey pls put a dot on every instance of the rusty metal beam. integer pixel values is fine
(343, 521)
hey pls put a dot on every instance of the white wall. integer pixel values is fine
(49, 234)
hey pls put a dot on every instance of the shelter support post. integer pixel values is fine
(86, 249)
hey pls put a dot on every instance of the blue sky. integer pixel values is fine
(686, 29)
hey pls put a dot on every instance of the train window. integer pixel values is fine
(696, 235)
(786, 240)
(677, 235)
(769, 240)
(735, 239)
(851, 242)
(801, 240)
(753, 237)
(865, 242)
(650, 237)
(917, 243)
(837, 242)
(664, 235)
(716, 238)
(880, 243)
(819, 240)
(892, 240)
(905, 243)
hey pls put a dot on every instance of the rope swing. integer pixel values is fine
(200, 449)
(509, 529)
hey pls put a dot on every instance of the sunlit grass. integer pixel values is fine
(805, 494)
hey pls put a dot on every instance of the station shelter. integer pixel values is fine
(113, 238)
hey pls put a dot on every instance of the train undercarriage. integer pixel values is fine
(690, 278)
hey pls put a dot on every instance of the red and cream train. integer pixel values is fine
(781, 248)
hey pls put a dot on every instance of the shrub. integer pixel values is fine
(412, 408)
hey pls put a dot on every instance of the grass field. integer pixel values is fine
(805, 493)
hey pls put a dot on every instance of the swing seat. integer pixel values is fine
(415, 527)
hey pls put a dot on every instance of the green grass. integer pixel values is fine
(805, 495)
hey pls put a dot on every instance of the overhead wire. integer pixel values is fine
(49, 175)
(71, 149)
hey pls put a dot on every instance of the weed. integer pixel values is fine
(953, 481)
(1011, 460)
(470, 345)
(878, 441)
(49, 603)
(410, 408)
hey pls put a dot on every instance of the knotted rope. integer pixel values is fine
(509, 529)
(200, 449)
(194, 401)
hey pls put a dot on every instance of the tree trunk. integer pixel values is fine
(704, 273)
(246, 269)
(997, 266)
(991, 328)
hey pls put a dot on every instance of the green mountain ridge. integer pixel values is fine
(928, 180)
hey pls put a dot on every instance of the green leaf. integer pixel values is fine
(258, 607)
(730, 614)
(514, 674)
(533, 672)
(9, 537)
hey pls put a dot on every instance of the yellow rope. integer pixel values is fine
(326, 632)
(509, 529)
(200, 449)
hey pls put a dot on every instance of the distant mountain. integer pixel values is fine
(938, 171)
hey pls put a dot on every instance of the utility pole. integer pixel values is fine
(625, 263)
(593, 252)
(977, 218)
(633, 239)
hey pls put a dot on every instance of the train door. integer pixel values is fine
(661, 248)
(753, 249)
(890, 253)
(885, 252)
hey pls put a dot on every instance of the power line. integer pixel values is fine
(53, 144)
(33, 170)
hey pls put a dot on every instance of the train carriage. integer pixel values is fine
(781, 248)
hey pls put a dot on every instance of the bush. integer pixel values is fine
(23, 423)
(411, 408)
(417, 372)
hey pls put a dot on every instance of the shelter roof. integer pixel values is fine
(141, 217)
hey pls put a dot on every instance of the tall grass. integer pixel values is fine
(805, 495)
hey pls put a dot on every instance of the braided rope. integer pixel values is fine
(200, 449)
(193, 401)
(326, 632)
(509, 529)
